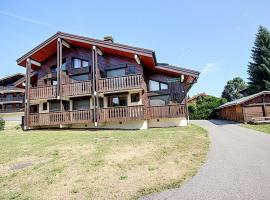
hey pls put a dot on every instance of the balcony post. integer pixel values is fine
(59, 64)
(94, 93)
(27, 95)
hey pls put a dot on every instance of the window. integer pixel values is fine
(64, 67)
(53, 69)
(160, 100)
(116, 72)
(45, 106)
(83, 77)
(155, 85)
(135, 97)
(33, 108)
(79, 63)
(163, 86)
(101, 102)
(54, 106)
(81, 104)
(114, 101)
(131, 69)
(54, 82)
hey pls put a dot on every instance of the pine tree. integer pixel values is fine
(233, 88)
(259, 68)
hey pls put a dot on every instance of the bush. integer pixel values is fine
(2, 124)
(204, 107)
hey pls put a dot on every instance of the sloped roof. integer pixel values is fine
(242, 100)
(11, 78)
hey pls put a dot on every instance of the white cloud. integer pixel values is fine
(26, 19)
(211, 67)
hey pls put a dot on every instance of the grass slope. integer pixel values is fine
(259, 127)
(81, 164)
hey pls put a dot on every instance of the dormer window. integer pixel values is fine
(156, 85)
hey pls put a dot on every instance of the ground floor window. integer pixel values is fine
(119, 100)
(81, 104)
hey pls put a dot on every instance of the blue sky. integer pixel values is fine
(213, 37)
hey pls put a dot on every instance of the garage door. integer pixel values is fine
(252, 112)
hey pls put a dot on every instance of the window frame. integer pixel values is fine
(81, 63)
(131, 98)
(159, 85)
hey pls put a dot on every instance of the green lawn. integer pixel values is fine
(259, 127)
(82, 164)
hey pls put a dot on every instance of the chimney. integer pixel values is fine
(108, 39)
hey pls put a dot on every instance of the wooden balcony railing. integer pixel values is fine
(121, 113)
(169, 111)
(45, 92)
(120, 83)
(107, 115)
(12, 99)
(57, 118)
(75, 89)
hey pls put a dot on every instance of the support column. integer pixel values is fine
(27, 95)
(94, 88)
(59, 65)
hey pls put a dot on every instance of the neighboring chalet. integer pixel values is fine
(246, 109)
(79, 82)
(196, 97)
(11, 96)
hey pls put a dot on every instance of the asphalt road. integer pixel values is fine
(237, 167)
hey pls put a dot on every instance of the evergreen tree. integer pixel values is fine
(259, 68)
(232, 89)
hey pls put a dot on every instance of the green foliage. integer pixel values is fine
(2, 124)
(259, 68)
(204, 107)
(232, 89)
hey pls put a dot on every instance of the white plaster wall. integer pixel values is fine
(136, 124)
(167, 122)
(134, 103)
(40, 106)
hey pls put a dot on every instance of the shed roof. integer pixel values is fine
(242, 100)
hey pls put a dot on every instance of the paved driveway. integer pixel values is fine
(238, 166)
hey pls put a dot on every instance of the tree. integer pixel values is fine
(259, 68)
(204, 107)
(232, 89)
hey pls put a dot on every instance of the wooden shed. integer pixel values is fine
(246, 108)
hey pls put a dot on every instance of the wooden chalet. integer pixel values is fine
(11, 94)
(80, 82)
(247, 109)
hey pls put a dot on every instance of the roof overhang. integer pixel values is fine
(242, 100)
(49, 47)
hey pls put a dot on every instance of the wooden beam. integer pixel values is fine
(99, 51)
(137, 58)
(27, 95)
(65, 44)
(59, 64)
(35, 63)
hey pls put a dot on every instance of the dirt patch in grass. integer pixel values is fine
(99, 165)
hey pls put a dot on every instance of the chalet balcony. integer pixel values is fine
(77, 89)
(124, 113)
(169, 111)
(120, 83)
(11, 100)
(57, 118)
(121, 113)
(10, 89)
(44, 92)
